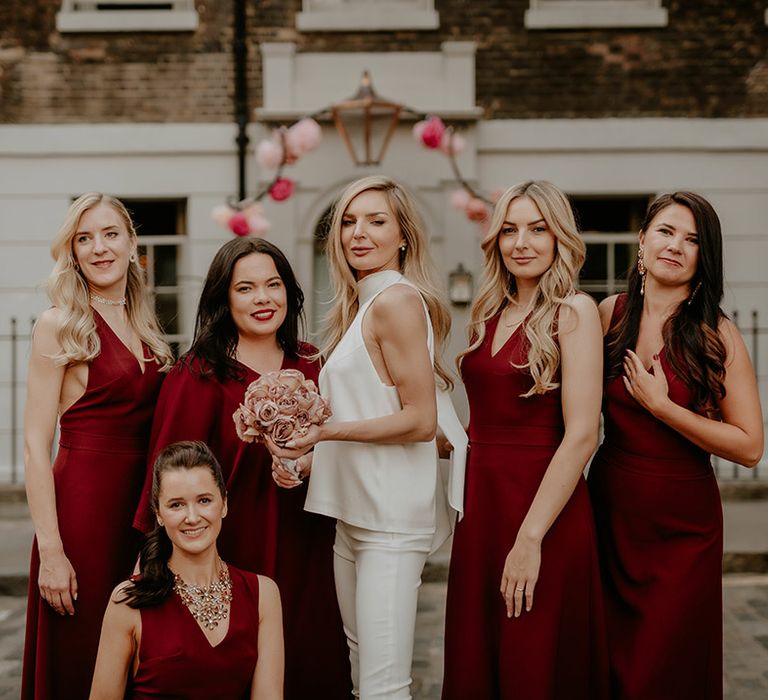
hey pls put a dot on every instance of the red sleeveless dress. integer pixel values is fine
(266, 530)
(98, 475)
(660, 530)
(556, 651)
(176, 660)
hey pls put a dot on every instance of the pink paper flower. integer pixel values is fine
(418, 130)
(460, 199)
(269, 154)
(221, 214)
(304, 136)
(476, 210)
(432, 132)
(452, 141)
(238, 224)
(258, 224)
(281, 189)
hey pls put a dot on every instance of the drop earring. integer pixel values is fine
(694, 293)
(641, 269)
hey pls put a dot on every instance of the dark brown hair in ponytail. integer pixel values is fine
(695, 350)
(155, 580)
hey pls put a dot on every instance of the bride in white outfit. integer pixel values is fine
(375, 464)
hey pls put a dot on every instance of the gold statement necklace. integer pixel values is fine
(208, 604)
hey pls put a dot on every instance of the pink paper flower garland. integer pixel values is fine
(286, 146)
(283, 147)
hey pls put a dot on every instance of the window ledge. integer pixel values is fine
(603, 14)
(372, 18)
(127, 21)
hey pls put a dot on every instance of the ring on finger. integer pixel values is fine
(520, 589)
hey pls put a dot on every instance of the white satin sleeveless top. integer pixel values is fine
(383, 487)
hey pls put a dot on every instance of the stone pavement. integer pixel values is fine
(745, 604)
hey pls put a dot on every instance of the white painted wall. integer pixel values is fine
(42, 167)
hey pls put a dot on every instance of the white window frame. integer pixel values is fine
(581, 14)
(366, 15)
(86, 16)
(611, 284)
(149, 243)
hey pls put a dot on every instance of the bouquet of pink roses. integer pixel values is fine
(282, 405)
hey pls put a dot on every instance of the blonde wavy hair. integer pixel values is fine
(68, 291)
(415, 265)
(556, 286)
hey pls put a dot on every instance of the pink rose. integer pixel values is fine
(281, 189)
(282, 430)
(238, 224)
(302, 419)
(291, 379)
(310, 386)
(255, 392)
(244, 420)
(320, 411)
(304, 398)
(267, 412)
(287, 405)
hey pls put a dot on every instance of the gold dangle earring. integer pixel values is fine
(641, 270)
(694, 293)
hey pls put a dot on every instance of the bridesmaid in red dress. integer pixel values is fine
(248, 323)
(96, 362)
(533, 378)
(655, 496)
(189, 625)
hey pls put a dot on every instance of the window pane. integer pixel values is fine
(625, 256)
(167, 309)
(596, 264)
(165, 265)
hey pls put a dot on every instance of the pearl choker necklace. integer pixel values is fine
(108, 302)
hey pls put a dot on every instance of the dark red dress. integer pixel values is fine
(660, 529)
(556, 651)
(176, 660)
(98, 476)
(266, 530)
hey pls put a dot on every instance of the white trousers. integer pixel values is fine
(378, 575)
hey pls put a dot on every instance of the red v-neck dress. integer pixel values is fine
(660, 531)
(266, 530)
(176, 660)
(98, 476)
(555, 651)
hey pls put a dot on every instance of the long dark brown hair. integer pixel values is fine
(155, 581)
(216, 336)
(692, 343)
